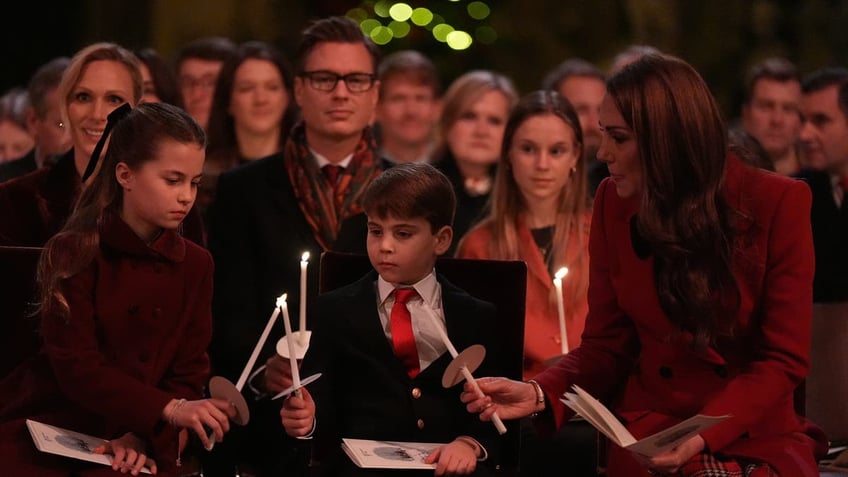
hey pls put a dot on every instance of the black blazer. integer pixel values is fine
(257, 234)
(830, 237)
(365, 392)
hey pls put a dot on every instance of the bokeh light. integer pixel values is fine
(459, 40)
(381, 8)
(478, 10)
(399, 29)
(400, 12)
(358, 14)
(381, 35)
(486, 35)
(369, 25)
(441, 31)
(421, 16)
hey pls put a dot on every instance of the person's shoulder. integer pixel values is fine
(28, 184)
(195, 253)
(253, 170)
(18, 167)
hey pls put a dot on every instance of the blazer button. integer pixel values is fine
(721, 371)
(416, 393)
(665, 372)
(421, 423)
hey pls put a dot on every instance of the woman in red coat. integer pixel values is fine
(700, 291)
(125, 310)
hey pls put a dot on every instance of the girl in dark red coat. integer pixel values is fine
(125, 310)
(700, 291)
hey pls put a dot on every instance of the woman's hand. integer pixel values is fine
(212, 413)
(456, 458)
(510, 399)
(129, 454)
(670, 462)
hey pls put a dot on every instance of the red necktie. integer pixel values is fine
(403, 340)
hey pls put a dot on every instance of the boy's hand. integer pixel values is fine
(298, 414)
(278, 375)
(456, 458)
(129, 454)
(214, 414)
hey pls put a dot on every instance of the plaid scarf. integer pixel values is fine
(325, 206)
(707, 465)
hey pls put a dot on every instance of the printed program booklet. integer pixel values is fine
(55, 440)
(389, 454)
(604, 421)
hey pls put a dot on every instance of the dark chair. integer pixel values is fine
(502, 283)
(827, 381)
(17, 306)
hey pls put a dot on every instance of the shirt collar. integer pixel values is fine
(426, 288)
(323, 161)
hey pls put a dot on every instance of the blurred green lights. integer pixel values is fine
(459, 40)
(400, 12)
(369, 25)
(381, 35)
(441, 32)
(421, 16)
(399, 29)
(478, 10)
(381, 8)
(401, 17)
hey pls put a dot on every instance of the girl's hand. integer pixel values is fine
(456, 458)
(212, 413)
(129, 454)
(298, 414)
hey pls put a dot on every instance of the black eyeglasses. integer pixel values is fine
(327, 80)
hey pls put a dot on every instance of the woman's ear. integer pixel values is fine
(124, 175)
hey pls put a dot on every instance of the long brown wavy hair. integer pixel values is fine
(507, 201)
(682, 215)
(134, 141)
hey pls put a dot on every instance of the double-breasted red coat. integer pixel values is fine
(139, 325)
(632, 357)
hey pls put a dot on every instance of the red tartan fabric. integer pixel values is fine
(708, 465)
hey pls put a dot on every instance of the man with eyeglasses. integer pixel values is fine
(198, 65)
(304, 199)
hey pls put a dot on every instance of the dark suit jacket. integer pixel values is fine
(257, 234)
(18, 167)
(631, 352)
(830, 236)
(365, 392)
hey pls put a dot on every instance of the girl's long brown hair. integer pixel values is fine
(507, 201)
(135, 141)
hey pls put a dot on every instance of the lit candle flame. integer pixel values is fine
(304, 257)
(561, 273)
(281, 299)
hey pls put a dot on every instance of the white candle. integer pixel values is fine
(252, 361)
(290, 340)
(496, 420)
(561, 308)
(304, 262)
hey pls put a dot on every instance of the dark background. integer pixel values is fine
(721, 38)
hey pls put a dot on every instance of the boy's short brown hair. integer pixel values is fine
(410, 191)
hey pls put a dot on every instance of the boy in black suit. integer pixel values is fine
(382, 360)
